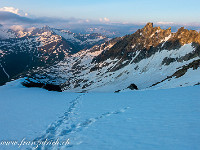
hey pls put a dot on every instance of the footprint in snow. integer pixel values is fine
(66, 126)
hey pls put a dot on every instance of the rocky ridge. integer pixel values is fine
(143, 59)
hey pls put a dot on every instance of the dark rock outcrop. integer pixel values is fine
(49, 87)
(132, 87)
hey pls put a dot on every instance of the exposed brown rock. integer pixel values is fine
(149, 39)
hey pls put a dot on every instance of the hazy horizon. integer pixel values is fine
(123, 12)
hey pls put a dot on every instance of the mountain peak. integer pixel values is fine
(46, 27)
(149, 25)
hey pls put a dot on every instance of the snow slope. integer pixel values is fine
(75, 72)
(25, 113)
(189, 79)
(148, 119)
(5, 34)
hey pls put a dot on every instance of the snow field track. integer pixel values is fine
(67, 125)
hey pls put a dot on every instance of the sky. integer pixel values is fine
(124, 11)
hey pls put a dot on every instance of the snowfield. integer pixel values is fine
(165, 119)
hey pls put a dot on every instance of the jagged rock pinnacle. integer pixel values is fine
(149, 25)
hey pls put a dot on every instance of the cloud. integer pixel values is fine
(164, 23)
(13, 18)
(14, 10)
(104, 20)
(87, 20)
(17, 27)
(21, 28)
(11, 15)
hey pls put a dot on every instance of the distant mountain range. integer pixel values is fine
(149, 58)
(22, 50)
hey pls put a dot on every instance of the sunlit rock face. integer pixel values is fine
(144, 59)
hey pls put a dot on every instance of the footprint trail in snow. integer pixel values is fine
(68, 125)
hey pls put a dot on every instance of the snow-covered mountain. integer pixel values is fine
(149, 58)
(6, 33)
(21, 49)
